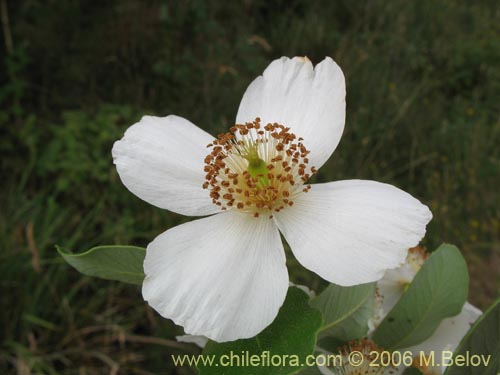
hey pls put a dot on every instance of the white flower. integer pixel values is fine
(224, 276)
(450, 331)
(199, 341)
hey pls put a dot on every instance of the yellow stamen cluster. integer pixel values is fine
(257, 169)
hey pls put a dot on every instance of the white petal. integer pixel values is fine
(223, 277)
(389, 290)
(310, 102)
(394, 283)
(350, 232)
(161, 160)
(199, 341)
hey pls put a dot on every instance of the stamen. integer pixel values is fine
(257, 169)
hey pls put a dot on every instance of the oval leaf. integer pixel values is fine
(345, 310)
(120, 263)
(438, 291)
(482, 342)
(292, 334)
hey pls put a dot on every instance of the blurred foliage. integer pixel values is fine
(423, 84)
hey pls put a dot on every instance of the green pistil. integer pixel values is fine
(257, 167)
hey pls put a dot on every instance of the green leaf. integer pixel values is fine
(292, 334)
(329, 344)
(120, 263)
(483, 339)
(345, 310)
(438, 291)
(324, 347)
(40, 322)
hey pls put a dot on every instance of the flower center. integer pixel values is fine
(257, 169)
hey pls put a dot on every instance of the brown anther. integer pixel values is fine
(231, 185)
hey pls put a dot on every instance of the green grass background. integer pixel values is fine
(423, 108)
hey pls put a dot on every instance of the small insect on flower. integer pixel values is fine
(224, 276)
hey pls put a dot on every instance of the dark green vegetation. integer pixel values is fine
(423, 82)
